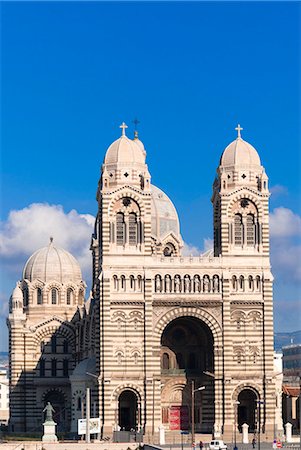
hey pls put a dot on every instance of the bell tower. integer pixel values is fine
(240, 202)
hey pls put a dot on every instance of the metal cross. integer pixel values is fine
(135, 122)
(123, 126)
(238, 129)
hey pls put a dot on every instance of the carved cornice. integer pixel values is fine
(214, 303)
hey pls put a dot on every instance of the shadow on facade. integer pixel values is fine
(186, 352)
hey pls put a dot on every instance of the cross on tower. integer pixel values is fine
(123, 126)
(238, 129)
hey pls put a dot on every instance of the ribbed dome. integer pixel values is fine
(240, 153)
(164, 215)
(52, 263)
(124, 150)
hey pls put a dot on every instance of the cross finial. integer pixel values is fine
(51, 239)
(123, 126)
(238, 129)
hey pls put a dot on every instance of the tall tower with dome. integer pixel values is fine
(158, 324)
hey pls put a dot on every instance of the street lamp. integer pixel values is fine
(192, 410)
(236, 403)
(88, 409)
(212, 375)
(259, 402)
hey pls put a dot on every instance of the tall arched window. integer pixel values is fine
(242, 282)
(53, 367)
(132, 282)
(42, 367)
(250, 232)
(133, 229)
(115, 282)
(139, 282)
(54, 296)
(238, 230)
(251, 283)
(25, 296)
(122, 282)
(39, 296)
(234, 283)
(165, 361)
(65, 368)
(69, 296)
(120, 229)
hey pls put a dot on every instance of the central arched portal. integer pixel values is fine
(247, 409)
(186, 353)
(128, 411)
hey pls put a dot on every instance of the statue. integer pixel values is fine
(49, 410)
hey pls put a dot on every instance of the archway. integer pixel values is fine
(57, 400)
(186, 353)
(128, 411)
(247, 409)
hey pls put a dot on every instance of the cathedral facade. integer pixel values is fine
(158, 327)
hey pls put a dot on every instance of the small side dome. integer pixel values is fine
(52, 263)
(17, 294)
(164, 215)
(124, 150)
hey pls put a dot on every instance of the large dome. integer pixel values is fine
(164, 215)
(52, 263)
(124, 150)
(240, 153)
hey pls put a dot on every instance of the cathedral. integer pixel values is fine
(158, 327)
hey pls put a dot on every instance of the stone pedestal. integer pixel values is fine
(288, 432)
(245, 433)
(49, 431)
(161, 435)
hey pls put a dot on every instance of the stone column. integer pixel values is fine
(161, 435)
(288, 432)
(245, 433)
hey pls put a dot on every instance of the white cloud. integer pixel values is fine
(278, 190)
(193, 250)
(284, 223)
(30, 228)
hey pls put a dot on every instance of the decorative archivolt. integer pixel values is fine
(208, 318)
(52, 326)
(254, 387)
(55, 390)
(127, 387)
(125, 194)
(173, 391)
(190, 284)
(241, 195)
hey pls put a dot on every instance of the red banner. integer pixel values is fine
(178, 418)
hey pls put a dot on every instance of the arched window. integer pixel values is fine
(139, 283)
(25, 296)
(165, 361)
(169, 250)
(250, 232)
(238, 230)
(69, 296)
(234, 283)
(120, 229)
(251, 283)
(42, 367)
(79, 404)
(258, 283)
(132, 282)
(65, 368)
(54, 296)
(122, 282)
(53, 367)
(115, 281)
(242, 282)
(65, 346)
(53, 344)
(39, 296)
(133, 229)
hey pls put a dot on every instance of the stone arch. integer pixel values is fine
(125, 193)
(201, 314)
(127, 387)
(249, 196)
(50, 329)
(254, 387)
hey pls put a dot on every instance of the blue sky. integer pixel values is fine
(72, 72)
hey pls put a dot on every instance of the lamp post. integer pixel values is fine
(88, 409)
(212, 375)
(192, 410)
(236, 403)
(259, 402)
